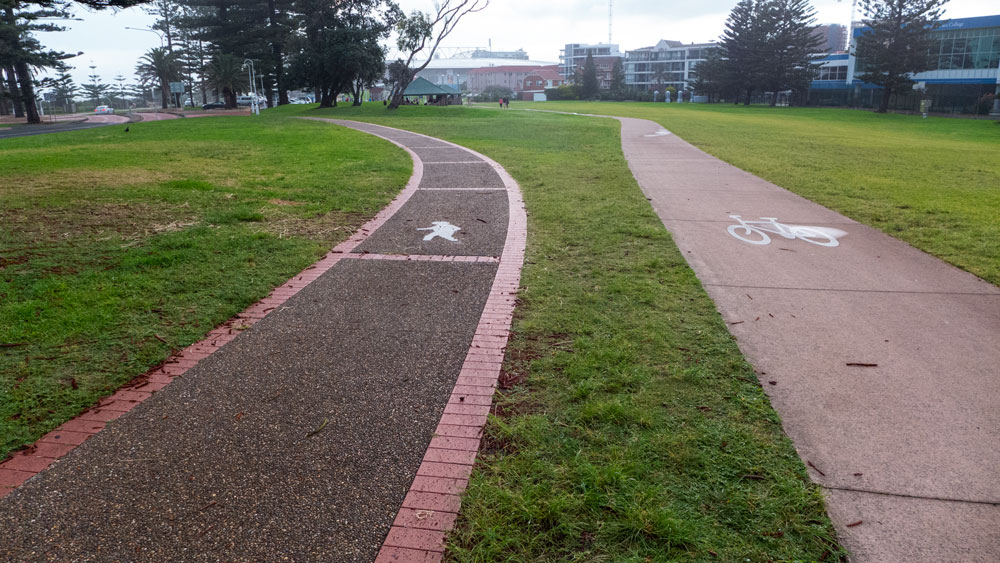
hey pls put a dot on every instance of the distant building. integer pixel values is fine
(833, 36)
(533, 86)
(964, 76)
(572, 57)
(668, 63)
(511, 77)
(485, 54)
(455, 72)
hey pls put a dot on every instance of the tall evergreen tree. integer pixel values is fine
(589, 84)
(895, 42)
(96, 89)
(742, 45)
(64, 90)
(617, 78)
(789, 46)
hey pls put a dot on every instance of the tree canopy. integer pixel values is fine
(895, 42)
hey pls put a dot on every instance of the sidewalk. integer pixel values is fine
(881, 360)
(341, 425)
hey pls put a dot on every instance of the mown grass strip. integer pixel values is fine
(934, 183)
(116, 248)
(631, 428)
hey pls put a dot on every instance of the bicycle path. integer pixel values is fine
(340, 426)
(881, 360)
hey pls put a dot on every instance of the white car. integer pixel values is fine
(104, 109)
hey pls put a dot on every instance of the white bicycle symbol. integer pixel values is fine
(745, 229)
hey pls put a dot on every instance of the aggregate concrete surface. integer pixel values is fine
(880, 359)
(296, 441)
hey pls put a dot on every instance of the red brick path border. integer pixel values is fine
(54, 445)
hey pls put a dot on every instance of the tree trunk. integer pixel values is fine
(230, 95)
(15, 94)
(359, 89)
(774, 98)
(4, 110)
(27, 92)
(326, 98)
(164, 93)
(746, 101)
(883, 106)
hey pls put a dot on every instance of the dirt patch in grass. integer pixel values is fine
(327, 228)
(79, 178)
(95, 220)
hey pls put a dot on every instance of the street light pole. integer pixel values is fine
(254, 108)
(158, 34)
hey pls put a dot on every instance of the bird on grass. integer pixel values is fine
(126, 129)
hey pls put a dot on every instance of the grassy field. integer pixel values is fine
(116, 248)
(933, 183)
(630, 428)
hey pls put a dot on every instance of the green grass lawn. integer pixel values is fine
(934, 183)
(630, 427)
(116, 248)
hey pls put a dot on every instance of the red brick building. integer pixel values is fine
(537, 83)
(505, 76)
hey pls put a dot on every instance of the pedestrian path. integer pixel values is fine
(881, 360)
(336, 420)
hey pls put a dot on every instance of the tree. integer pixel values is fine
(712, 77)
(617, 78)
(63, 88)
(417, 31)
(895, 42)
(95, 89)
(161, 67)
(339, 46)
(789, 46)
(589, 81)
(20, 50)
(226, 74)
(742, 46)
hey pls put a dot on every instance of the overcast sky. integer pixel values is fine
(541, 28)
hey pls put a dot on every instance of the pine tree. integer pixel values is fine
(895, 43)
(64, 89)
(95, 89)
(617, 78)
(590, 85)
(742, 44)
(789, 46)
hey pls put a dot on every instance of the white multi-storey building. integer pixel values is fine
(668, 63)
(574, 55)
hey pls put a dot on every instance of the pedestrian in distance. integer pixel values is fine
(501, 103)
(506, 103)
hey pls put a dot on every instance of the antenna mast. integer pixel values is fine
(610, 5)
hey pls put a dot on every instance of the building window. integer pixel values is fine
(833, 73)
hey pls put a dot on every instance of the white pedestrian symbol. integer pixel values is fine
(442, 229)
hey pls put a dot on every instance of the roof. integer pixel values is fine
(423, 87)
(546, 74)
(510, 68)
(478, 63)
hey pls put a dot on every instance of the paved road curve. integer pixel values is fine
(300, 439)
(906, 449)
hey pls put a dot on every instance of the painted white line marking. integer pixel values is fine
(659, 133)
(442, 229)
(755, 232)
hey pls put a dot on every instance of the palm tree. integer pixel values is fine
(225, 73)
(160, 65)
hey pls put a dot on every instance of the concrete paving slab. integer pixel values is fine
(718, 205)
(916, 530)
(482, 217)
(865, 260)
(916, 423)
(461, 176)
(298, 440)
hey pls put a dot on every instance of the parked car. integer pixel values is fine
(214, 105)
(244, 101)
(104, 109)
(301, 101)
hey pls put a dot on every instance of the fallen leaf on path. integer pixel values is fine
(853, 524)
(317, 431)
(862, 364)
(810, 464)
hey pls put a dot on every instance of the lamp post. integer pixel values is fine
(158, 34)
(248, 66)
